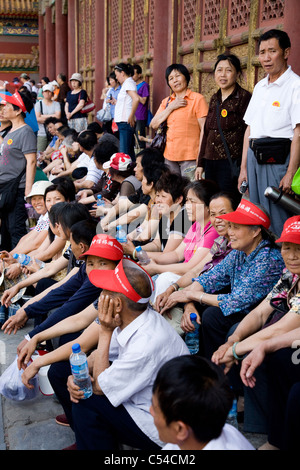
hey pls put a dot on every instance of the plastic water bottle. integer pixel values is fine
(232, 415)
(100, 201)
(121, 234)
(192, 337)
(25, 260)
(142, 255)
(80, 370)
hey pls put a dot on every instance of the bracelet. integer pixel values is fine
(238, 358)
(175, 285)
(134, 255)
(200, 298)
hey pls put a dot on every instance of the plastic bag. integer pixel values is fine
(296, 182)
(11, 385)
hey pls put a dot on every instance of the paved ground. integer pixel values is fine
(30, 425)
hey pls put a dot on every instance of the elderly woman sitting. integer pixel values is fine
(250, 270)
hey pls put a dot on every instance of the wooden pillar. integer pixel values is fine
(72, 37)
(50, 45)
(291, 26)
(162, 48)
(42, 47)
(61, 38)
(101, 49)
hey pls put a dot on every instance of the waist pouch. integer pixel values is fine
(270, 150)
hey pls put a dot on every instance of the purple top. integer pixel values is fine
(142, 109)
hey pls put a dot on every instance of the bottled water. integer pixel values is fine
(100, 201)
(232, 415)
(80, 370)
(142, 255)
(192, 337)
(121, 234)
(25, 260)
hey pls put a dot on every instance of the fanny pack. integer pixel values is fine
(270, 150)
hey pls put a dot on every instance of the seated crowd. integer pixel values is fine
(207, 250)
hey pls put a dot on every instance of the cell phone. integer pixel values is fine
(243, 187)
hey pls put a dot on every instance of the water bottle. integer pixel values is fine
(142, 255)
(277, 196)
(232, 415)
(121, 234)
(192, 337)
(100, 201)
(25, 260)
(80, 370)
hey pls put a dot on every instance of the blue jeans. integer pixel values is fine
(126, 136)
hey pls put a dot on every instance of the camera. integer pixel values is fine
(243, 187)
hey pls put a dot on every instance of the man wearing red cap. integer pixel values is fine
(132, 342)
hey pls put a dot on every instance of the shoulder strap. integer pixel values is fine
(41, 106)
(18, 179)
(222, 135)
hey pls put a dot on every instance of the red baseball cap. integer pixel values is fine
(291, 231)
(117, 281)
(14, 99)
(105, 246)
(247, 213)
(118, 161)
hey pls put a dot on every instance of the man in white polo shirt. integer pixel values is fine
(271, 151)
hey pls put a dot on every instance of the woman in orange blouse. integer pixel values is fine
(185, 112)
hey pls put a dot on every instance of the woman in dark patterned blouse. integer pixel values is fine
(230, 102)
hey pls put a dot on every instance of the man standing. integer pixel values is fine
(271, 152)
(141, 114)
(25, 80)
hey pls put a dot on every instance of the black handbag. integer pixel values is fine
(8, 193)
(234, 164)
(160, 139)
(270, 150)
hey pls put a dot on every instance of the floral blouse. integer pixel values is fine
(286, 288)
(250, 277)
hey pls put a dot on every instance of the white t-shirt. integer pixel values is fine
(274, 109)
(124, 101)
(137, 353)
(51, 109)
(83, 161)
(230, 439)
(93, 173)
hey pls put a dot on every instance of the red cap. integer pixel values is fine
(105, 246)
(247, 213)
(117, 281)
(14, 99)
(118, 161)
(291, 231)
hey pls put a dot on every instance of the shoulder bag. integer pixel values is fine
(234, 165)
(160, 139)
(88, 107)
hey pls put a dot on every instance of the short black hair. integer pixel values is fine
(153, 174)
(63, 77)
(46, 79)
(151, 156)
(282, 37)
(204, 190)
(64, 186)
(84, 231)
(232, 58)
(227, 195)
(104, 150)
(173, 184)
(137, 68)
(194, 390)
(71, 213)
(87, 140)
(181, 69)
(27, 100)
(51, 120)
(94, 127)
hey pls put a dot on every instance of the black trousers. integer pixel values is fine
(13, 223)
(283, 375)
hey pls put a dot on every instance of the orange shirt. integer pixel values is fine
(183, 135)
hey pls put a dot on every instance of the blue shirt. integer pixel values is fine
(251, 278)
(70, 298)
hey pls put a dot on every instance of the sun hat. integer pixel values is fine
(48, 87)
(118, 161)
(39, 188)
(77, 76)
(117, 281)
(291, 231)
(247, 213)
(54, 83)
(13, 99)
(105, 246)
